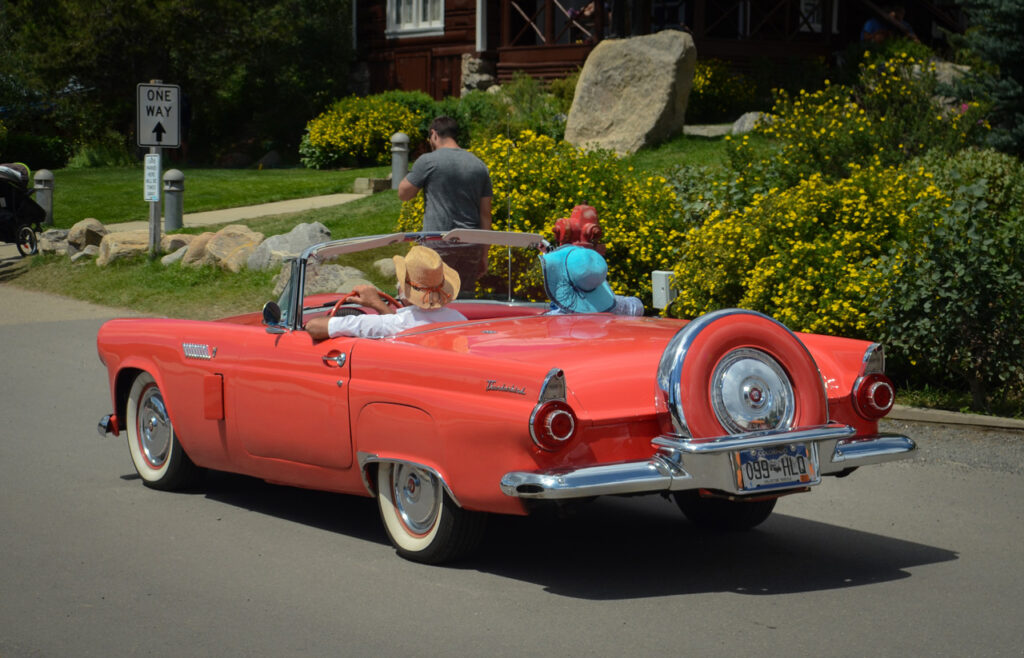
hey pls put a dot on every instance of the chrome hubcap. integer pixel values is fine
(417, 497)
(750, 392)
(154, 426)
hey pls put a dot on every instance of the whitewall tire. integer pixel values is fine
(159, 459)
(422, 521)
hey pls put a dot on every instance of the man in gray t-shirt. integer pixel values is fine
(455, 183)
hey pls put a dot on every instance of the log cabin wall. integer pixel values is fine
(552, 38)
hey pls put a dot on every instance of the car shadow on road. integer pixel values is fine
(353, 516)
(622, 548)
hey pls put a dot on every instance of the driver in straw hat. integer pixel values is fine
(424, 281)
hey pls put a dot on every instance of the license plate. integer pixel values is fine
(776, 467)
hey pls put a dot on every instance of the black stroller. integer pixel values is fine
(20, 215)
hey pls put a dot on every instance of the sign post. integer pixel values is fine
(158, 127)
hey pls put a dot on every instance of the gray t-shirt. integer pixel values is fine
(453, 181)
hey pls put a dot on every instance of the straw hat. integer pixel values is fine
(575, 280)
(424, 280)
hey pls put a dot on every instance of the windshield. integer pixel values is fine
(493, 266)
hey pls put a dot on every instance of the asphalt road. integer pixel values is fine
(914, 558)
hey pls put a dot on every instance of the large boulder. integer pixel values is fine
(195, 254)
(122, 244)
(278, 248)
(632, 92)
(175, 241)
(323, 278)
(86, 232)
(230, 247)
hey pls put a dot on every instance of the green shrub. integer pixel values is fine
(564, 90)
(718, 94)
(889, 116)
(420, 103)
(37, 151)
(953, 314)
(538, 179)
(357, 131)
(109, 151)
(811, 256)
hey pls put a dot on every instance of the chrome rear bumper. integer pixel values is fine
(684, 464)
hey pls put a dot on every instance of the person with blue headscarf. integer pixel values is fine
(575, 280)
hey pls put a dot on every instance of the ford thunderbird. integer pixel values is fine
(511, 409)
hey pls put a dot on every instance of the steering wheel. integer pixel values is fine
(349, 295)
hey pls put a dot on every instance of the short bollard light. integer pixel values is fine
(399, 158)
(44, 193)
(174, 199)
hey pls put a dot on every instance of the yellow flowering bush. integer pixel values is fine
(718, 94)
(537, 180)
(357, 130)
(810, 255)
(890, 115)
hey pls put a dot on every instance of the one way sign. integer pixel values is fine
(159, 116)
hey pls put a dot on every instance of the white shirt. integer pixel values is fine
(375, 326)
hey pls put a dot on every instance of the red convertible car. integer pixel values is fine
(511, 409)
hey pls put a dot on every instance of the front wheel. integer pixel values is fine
(723, 514)
(159, 459)
(27, 242)
(423, 523)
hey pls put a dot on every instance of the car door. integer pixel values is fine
(289, 398)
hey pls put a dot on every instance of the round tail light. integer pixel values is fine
(874, 396)
(552, 425)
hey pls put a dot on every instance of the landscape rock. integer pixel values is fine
(632, 93)
(386, 267)
(322, 278)
(230, 247)
(90, 251)
(278, 248)
(746, 123)
(174, 257)
(53, 241)
(371, 185)
(196, 253)
(89, 231)
(175, 241)
(122, 244)
(477, 74)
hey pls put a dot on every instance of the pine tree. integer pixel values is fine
(996, 37)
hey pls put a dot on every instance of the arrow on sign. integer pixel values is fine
(159, 131)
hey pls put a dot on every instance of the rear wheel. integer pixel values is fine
(159, 459)
(422, 521)
(721, 513)
(27, 242)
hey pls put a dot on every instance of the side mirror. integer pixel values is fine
(272, 318)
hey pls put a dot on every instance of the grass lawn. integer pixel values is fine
(114, 194)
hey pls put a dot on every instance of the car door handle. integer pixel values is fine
(336, 358)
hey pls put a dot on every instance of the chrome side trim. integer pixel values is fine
(872, 449)
(756, 439)
(367, 458)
